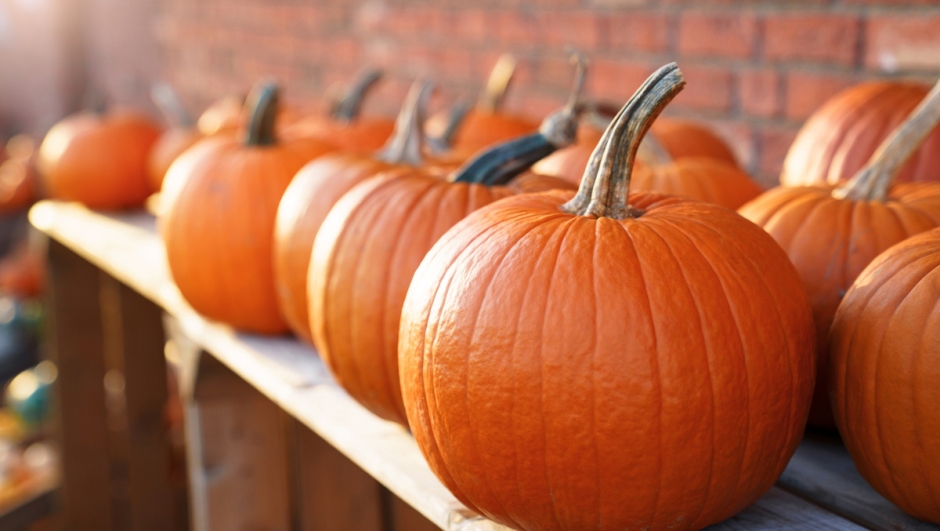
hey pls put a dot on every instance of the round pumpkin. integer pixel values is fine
(885, 380)
(217, 218)
(18, 179)
(832, 233)
(370, 244)
(100, 161)
(318, 186)
(837, 141)
(223, 116)
(592, 362)
(705, 179)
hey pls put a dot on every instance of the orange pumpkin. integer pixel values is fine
(591, 361)
(314, 191)
(831, 234)
(486, 124)
(705, 179)
(100, 161)
(181, 135)
(18, 187)
(222, 116)
(839, 138)
(372, 241)
(885, 382)
(217, 218)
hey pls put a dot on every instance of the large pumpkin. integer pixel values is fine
(839, 138)
(591, 362)
(318, 186)
(885, 381)
(217, 219)
(372, 241)
(100, 161)
(180, 136)
(831, 234)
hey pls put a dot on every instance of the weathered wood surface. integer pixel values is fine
(822, 471)
(290, 375)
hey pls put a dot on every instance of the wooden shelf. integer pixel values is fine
(127, 247)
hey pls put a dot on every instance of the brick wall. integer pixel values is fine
(755, 69)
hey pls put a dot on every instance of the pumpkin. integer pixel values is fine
(344, 127)
(832, 233)
(181, 135)
(100, 161)
(222, 116)
(372, 241)
(318, 186)
(18, 175)
(885, 379)
(588, 361)
(705, 179)
(217, 217)
(839, 138)
(486, 123)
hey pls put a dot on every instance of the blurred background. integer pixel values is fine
(755, 69)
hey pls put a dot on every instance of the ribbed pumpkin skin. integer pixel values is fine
(840, 137)
(830, 241)
(480, 129)
(563, 372)
(710, 180)
(886, 374)
(220, 202)
(171, 144)
(100, 162)
(364, 257)
(314, 191)
(364, 135)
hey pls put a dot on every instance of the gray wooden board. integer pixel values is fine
(823, 472)
(288, 373)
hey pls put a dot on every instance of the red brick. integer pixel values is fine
(807, 91)
(717, 35)
(760, 93)
(773, 145)
(638, 31)
(825, 38)
(472, 25)
(616, 80)
(903, 42)
(707, 89)
(738, 136)
(515, 28)
(562, 28)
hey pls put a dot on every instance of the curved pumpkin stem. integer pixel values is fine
(872, 182)
(499, 164)
(261, 107)
(491, 100)
(166, 99)
(346, 109)
(455, 116)
(405, 144)
(606, 183)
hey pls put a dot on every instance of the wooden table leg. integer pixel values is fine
(75, 345)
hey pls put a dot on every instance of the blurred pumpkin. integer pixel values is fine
(18, 178)
(181, 135)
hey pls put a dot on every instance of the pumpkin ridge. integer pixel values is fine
(651, 222)
(918, 433)
(820, 201)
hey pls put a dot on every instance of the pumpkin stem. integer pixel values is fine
(606, 183)
(872, 182)
(171, 106)
(499, 164)
(455, 116)
(261, 107)
(346, 108)
(405, 144)
(491, 100)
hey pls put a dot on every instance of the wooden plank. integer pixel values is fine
(134, 353)
(779, 510)
(823, 472)
(331, 493)
(75, 345)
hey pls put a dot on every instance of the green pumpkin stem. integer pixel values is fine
(606, 183)
(346, 109)
(872, 182)
(499, 164)
(261, 107)
(407, 140)
(166, 99)
(491, 100)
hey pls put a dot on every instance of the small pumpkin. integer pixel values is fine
(181, 135)
(832, 233)
(593, 361)
(222, 116)
(217, 218)
(18, 178)
(98, 160)
(885, 379)
(315, 190)
(837, 141)
(370, 244)
(486, 124)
